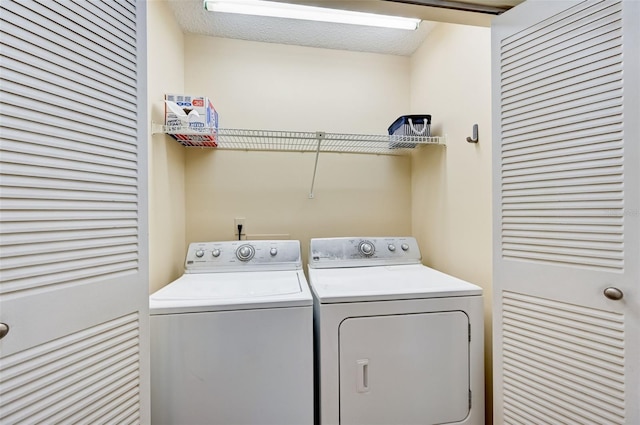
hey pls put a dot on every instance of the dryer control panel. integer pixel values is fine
(229, 256)
(363, 251)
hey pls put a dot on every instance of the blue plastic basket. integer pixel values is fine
(409, 125)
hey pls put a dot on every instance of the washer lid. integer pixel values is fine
(231, 291)
(386, 283)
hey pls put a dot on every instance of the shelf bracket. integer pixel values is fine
(156, 128)
(320, 135)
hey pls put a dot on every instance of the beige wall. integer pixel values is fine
(451, 197)
(166, 157)
(278, 87)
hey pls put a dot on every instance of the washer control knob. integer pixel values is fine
(391, 247)
(200, 253)
(273, 252)
(215, 253)
(367, 248)
(245, 253)
(404, 247)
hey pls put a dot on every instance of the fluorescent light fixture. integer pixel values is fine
(312, 13)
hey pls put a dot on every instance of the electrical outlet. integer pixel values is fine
(237, 222)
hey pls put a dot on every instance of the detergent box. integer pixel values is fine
(191, 120)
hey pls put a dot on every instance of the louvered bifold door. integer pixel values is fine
(566, 213)
(73, 276)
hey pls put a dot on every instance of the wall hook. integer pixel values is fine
(474, 137)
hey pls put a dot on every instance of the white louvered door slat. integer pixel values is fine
(73, 252)
(566, 97)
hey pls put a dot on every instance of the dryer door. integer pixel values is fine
(404, 369)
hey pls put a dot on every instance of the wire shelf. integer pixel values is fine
(267, 140)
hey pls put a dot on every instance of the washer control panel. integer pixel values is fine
(211, 257)
(361, 252)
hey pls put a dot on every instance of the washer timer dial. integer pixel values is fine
(245, 252)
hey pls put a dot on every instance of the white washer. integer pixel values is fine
(232, 339)
(396, 342)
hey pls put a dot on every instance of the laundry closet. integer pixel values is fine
(98, 205)
(440, 194)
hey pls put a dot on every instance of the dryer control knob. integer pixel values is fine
(215, 253)
(245, 253)
(273, 252)
(404, 247)
(391, 247)
(367, 248)
(200, 253)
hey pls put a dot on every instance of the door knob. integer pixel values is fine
(4, 330)
(613, 293)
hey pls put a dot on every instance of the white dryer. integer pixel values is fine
(396, 342)
(232, 339)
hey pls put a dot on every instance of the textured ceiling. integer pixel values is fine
(192, 18)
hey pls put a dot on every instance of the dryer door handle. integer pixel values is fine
(362, 378)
